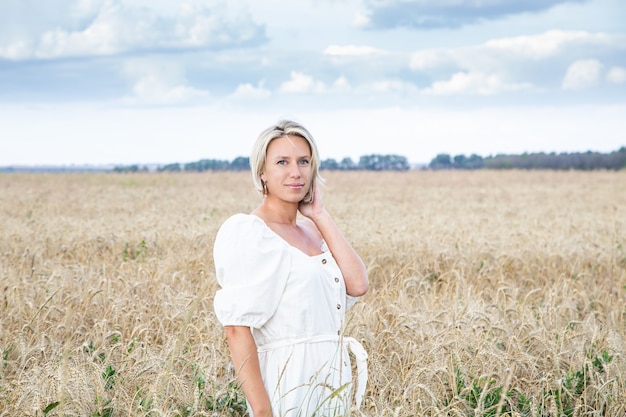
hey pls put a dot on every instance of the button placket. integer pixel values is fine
(337, 291)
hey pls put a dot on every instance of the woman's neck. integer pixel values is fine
(279, 212)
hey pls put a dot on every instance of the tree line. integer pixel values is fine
(372, 162)
(589, 160)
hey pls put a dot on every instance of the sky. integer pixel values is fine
(157, 81)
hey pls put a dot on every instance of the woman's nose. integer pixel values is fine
(295, 171)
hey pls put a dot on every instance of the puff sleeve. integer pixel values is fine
(252, 268)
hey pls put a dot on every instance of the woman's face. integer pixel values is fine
(288, 171)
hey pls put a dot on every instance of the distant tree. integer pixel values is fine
(371, 162)
(128, 168)
(617, 159)
(441, 161)
(176, 167)
(499, 162)
(459, 161)
(397, 163)
(474, 162)
(347, 164)
(376, 162)
(329, 164)
(207, 165)
(589, 160)
(240, 164)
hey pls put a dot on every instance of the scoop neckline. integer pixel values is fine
(287, 243)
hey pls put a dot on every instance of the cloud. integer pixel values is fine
(248, 91)
(391, 85)
(351, 50)
(617, 75)
(361, 21)
(110, 27)
(342, 84)
(550, 43)
(582, 74)
(302, 83)
(518, 63)
(152, 90)
(502, 51)
(425, 14)
(474, 84)
(155, 82)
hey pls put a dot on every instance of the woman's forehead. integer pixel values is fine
(289, 143)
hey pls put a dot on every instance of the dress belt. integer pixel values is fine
(351, 344)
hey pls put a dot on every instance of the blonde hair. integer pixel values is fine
(259, 154)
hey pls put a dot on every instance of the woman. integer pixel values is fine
(286, 282)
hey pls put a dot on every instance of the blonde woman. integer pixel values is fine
(286, 283)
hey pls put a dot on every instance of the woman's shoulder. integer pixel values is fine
(240, 223)
(238, 232)
(238, 219)
(242, 219)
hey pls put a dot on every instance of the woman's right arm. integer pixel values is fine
(245, 358)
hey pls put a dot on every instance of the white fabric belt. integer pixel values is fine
(351, 344)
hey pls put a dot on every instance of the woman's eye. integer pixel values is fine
(304, 162)
(281, 162)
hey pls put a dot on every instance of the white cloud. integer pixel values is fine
(342, 84)
(388, 86)
(474, 84)
(152, 90)
(582, 74)
(616, 75)
(16, 50)
(548, 44)
(111, 27)
(302, 83)
(351, 50)
(155, 82)
(430, 58)
(501, 52)
(360, 21)
(249, 91)
(517, 63)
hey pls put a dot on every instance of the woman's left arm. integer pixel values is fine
(352, 267)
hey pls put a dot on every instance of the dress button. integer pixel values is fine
(336, 279)
(324, 261)
(338, 306)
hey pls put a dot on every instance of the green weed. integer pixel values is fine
(135, 251)
(483, 397)
(231, 400)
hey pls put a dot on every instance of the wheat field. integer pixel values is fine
(492, 292)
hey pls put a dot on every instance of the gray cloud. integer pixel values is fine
(430, 14)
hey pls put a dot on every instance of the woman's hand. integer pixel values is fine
(314, 208)
(352, 267)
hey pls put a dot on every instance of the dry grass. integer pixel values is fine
(483, 283)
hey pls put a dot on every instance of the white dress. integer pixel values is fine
(295, 305)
